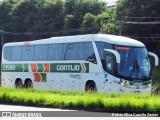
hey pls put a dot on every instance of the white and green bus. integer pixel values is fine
(94, 62)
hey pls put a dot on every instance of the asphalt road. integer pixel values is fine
(26, 108)
(27, 111)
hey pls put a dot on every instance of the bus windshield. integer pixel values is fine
(134, 64)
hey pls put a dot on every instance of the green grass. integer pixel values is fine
(85, 101)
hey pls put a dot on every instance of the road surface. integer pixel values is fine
(27, 111)
(26, 108)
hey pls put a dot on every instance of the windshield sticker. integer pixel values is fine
(122, 48)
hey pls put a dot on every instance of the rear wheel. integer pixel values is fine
(91, 86)
(18, 84)
(28, 84)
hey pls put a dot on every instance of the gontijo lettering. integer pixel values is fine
(68, 67)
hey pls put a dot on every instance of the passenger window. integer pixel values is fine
(71, 52)
(41, 52)
(55, 52)
(7, 53)
(16, 53)
(86, 52)
(101, 46)
(28, 52)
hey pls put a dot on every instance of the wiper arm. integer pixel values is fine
(137, 67)
(139, 70)
(132, 70)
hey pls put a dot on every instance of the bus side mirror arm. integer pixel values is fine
(155, 57)
(117, 55)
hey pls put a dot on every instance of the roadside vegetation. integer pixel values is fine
(81, 100)
(156, 81)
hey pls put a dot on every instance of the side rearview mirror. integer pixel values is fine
(117, 55)
(155, 57)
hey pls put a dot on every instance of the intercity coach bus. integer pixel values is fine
(93, 62)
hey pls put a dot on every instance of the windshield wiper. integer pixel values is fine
(139, 70)
(133, 70)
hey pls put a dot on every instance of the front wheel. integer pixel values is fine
(91, 87)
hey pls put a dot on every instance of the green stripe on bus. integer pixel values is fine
(87, 67)
(14, 67)
(54, 67)
(43, 75)
(40, 67)
(26, 66)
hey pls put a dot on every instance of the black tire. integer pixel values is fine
(91, 87)
(19, 84)
(28, 84)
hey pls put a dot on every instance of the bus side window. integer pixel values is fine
(55, 52)
(71, 51)
(16, 53)
(27, 52)
(100, 47)
(7, 53)
(86, 52)
(41, 52)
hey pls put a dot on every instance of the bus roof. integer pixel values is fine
(118, 40)
(113, 39)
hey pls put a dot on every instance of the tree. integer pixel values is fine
(50, 18)
(69, 7)
(23, 16)
(78, 9)
(107, 22)
(140, 11)
(89, 24)
(5, 17)
(36, 19)
(70, 25)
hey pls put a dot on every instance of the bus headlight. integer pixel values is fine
(122, 84)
